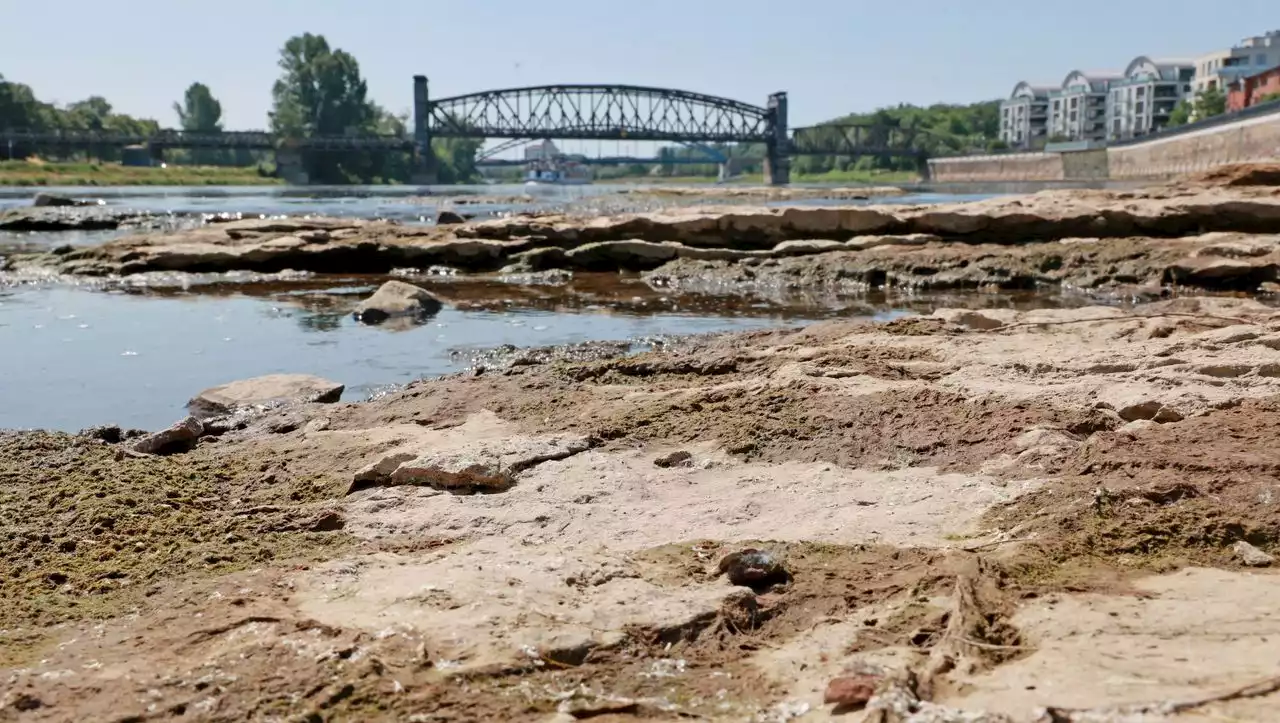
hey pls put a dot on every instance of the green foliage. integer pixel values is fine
(1181, 114)
(321, 92)
(941, 129)
(1269, 97)
(1209, 103)
(20, 110)
(199, 111)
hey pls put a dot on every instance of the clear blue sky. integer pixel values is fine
(831, 56)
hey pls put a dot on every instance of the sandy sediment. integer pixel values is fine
(960, 502)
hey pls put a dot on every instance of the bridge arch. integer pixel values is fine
(598, 112)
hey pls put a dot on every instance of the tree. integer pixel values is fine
(1209, 103)
(199, 111)
(320, 92)
(1181, 114)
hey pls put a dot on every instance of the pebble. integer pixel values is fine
(851, 690)
(1251, 556)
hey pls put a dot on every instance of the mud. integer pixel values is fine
(950, 506)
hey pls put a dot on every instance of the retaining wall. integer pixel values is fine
(1006, 167)
(1250, 139)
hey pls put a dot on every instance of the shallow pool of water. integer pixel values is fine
(74, 358)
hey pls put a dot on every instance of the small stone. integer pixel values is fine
(445, 218)
(850, 690)
(679, 458)
(397, 298)
(1251, 556)
(1141, 410)
(753, 568)
(181, 437)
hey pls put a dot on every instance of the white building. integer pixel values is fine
(544, 151)
(1024, 117)
(1141, 101)
(1078, 110)
(1221, 68)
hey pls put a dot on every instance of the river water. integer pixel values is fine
(73, 356)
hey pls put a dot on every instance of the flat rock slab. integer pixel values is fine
(492, 603)
(481, 455)
(263, 391)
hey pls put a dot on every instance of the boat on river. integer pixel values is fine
(557, 172)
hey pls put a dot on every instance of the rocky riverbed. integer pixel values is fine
(971, 514)
(1211, 233)
(925, 515)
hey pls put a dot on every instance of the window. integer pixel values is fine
(1262, 60)
(1075, 102)
(1142, 92)
(1139, 108)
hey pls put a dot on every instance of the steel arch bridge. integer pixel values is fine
(599, 112)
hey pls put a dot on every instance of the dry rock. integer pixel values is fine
(264, 391)
(181, 437)
(1251, 556)
(850, 690)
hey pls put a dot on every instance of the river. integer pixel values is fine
(81, 355)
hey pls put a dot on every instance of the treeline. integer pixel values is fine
(940, 129)
(320, 91)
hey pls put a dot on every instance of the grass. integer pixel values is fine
(871, 177)
(44, 173)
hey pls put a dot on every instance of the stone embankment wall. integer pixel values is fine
(1250, 140)
(1255, 139)
(997, 168)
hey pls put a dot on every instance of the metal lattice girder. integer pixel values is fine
(854, 139)
(251, 140)
(604, 112)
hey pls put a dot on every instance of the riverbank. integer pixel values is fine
(922, 516)
(946, 507)
(43, 173)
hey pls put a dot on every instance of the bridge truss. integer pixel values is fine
(855, 139)
(599, 112)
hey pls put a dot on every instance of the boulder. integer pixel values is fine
(43, 200)
(181, 437)
(397, 298)
(264, 391)
(446, 218)
(620, 255)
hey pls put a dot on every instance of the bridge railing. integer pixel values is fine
(249, 140)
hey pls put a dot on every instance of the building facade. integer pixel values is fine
(1142, 101)
(1219, 69)
(1078, 110)
(1024, 117)
(1255, 89)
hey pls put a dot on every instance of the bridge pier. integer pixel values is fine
(289, 165)
(777, 159)
(425, 172)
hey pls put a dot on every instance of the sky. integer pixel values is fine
(832, 57)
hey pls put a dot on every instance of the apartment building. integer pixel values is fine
(1078, 110)
(1219, 69)
(1142, 101)
(1024, 117)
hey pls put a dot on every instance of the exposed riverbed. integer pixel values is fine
(132, 354)
(940, 449)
